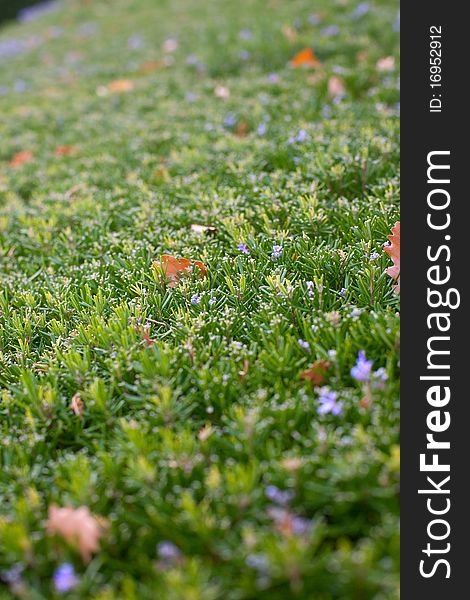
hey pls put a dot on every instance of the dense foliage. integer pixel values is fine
(182, 416)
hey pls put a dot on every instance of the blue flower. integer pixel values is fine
(64, 578)
(277, 251)
(195, 299)
(362, 368)
(243, 248)
(212, 301)
(360, 10)
(303, 344)
(230, 120)
(328, 402)
(374, 256)
(329, 31)
(169, 555)
(278, 496)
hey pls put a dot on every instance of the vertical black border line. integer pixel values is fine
(444, 559)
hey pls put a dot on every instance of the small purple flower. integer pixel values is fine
(230, 120)
(329, 31)
(396, 24)
(303, 344)
(313, 19)
(243, 248)
(300, 526)
(310, 288)
(244, 55)
(301, 136)
(278, 496)
(273, 78)
(258, 562)
(328, 402)
(12, 576)
(332, 353)
(168, 551)
(64, 578)
(381, 374)
(261, 129)
(277, 251)
(360, 10)
(190, 97)
(343, 291)
(374, 256)
(212, 301)
(245, 34)
(19, 86)
(362, 368)
(135, 42)
(169, 555)
(195, 299)
(326, 111)
(34, 12)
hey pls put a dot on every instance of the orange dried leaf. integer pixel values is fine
(64, 150)
(317, 372)
(174, 268)
(305, 58)
(149, 66)
(120, 85)
(394, 252)
(20, 158)
(78, 527)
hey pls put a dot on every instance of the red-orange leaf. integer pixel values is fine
(174, 268)
(317, 372)
(305, 58)
(394, 252)
(20, 158)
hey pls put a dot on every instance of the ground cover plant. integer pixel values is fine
(199, 328)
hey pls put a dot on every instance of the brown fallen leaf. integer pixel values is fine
(290, 33)
(20, 158)
(144, 333)
(78, 527)
(174, 269)
(77, 406)
(114, 87)
(305, 58)
(242, 128)
(149, 66)
(317, 372)
(64, 150)
(336, 87)
(393, 250)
